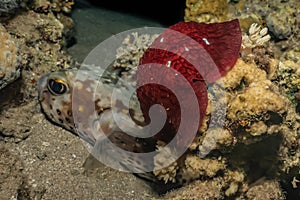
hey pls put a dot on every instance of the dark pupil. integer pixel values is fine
(57, 87)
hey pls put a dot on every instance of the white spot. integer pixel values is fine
(161, 40)
(88, 89)
(186, 49)
(46, 144)
(169, 63)
(176, 74)
(206, 41)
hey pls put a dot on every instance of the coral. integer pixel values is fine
(281, 27)
(258, 98)
(206, 11)
(9, 65)
(277, 15)
(256, 104)
(288, 78)
(56, 6)
(281, 18)
(215, 138)
(269, 189)
(132, 49)
(196, 190)
(167, 174)
(289, 149)
(214, 188)
(257, 37)
(196, 167)
(233, 179)
(242, 75)
(41, 46)
(51, 29)
(62, 5)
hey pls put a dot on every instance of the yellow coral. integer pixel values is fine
(167, 174)
(215, 138)
(257, 99)
(257, 128)
(206, 10)
(196, 167)
(255, 94)
(247, 72)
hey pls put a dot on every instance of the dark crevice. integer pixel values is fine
(167, 12)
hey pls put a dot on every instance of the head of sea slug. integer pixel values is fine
(55, 97)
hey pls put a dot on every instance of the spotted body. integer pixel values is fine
(81, 102)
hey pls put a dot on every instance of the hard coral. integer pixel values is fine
(41, 46)
(288, 79)
(269, 189)
(56, 6)
(257, 99)
(206, 10)
(196, 167)
(132, 49)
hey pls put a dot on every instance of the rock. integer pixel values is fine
(9, 65)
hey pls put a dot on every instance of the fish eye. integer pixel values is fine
(57, 86)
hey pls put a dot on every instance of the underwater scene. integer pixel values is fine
(160, 100)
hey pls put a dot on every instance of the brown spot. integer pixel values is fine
(96, 105)
(50, 106)
(68, 120)
(298, 96)
(58, 111)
